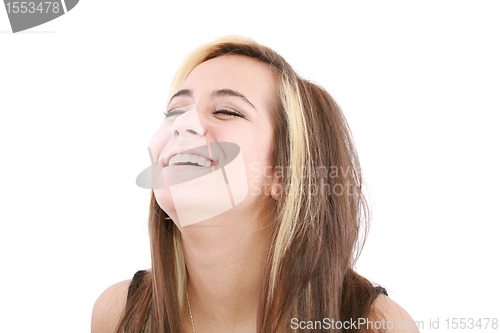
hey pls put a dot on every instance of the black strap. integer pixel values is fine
(381, 290)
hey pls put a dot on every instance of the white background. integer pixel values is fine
(81, 96)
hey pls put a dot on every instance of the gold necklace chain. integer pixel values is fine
(190, 313)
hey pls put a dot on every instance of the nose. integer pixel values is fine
(187, 124)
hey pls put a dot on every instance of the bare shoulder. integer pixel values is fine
(108, 307)
(399, 319)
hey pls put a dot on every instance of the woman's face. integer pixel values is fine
(216, 141)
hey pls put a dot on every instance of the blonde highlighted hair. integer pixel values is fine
(316, 237)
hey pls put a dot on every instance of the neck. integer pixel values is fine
(225, 265)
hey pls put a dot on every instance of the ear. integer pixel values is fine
(276, 188)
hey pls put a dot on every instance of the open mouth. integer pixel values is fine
(190, 159)
(189, 163)
(186, 165)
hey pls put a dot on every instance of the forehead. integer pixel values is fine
(253, 78)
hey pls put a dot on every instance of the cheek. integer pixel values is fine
(258, 181)
(159, 140)
(257, 157)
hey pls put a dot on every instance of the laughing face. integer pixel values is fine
(215, 143)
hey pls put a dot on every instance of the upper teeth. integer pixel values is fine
(183, 158)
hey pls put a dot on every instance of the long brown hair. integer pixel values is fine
(318, 229)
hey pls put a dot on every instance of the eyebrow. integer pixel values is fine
(217, 93)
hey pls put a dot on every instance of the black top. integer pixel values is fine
(381, 290)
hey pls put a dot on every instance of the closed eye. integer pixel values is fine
(173, 113)
(229, 113)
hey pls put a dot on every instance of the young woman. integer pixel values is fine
(258, 223)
